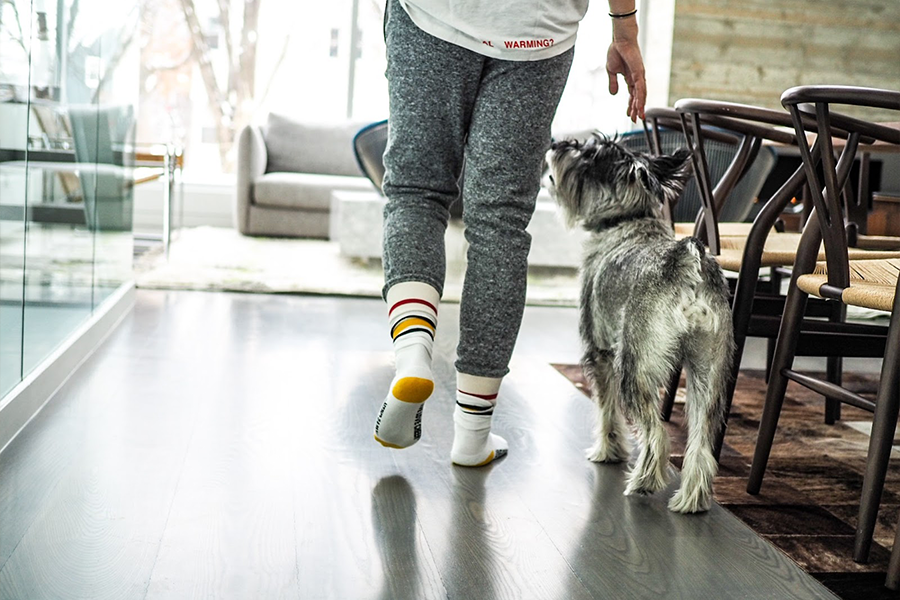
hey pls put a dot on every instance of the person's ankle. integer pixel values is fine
(473, 443)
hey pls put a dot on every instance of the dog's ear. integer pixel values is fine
(672, 171)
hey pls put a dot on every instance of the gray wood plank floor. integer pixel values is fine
(220, 446)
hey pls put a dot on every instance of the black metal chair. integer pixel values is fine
(369, 145)
(841, 280)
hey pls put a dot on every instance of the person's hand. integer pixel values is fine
(624, 58)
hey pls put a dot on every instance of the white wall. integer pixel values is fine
(656, 23)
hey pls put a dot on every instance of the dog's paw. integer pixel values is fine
(689, 501)
(605, 451)
(644, 484)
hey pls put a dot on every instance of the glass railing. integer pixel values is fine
(68, 89)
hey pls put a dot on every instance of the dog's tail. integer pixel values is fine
(708, 289)
(688, 258)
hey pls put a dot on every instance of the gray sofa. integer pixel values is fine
(286, 172)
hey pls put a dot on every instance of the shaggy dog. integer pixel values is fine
(650, 304)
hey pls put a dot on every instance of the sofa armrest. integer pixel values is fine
(251, 163)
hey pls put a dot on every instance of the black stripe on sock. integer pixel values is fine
(413, 330)
(405, 317)
(479, 410)
(415, 315)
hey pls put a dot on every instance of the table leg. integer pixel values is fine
(167, 202)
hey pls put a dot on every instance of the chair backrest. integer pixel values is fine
(828, 177)
(720, 153)
(104, 136)
(754, 125)
(369, 144)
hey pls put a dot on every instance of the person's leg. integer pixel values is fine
(508, 137)
(432, 87)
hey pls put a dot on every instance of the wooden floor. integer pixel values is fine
(220, 446)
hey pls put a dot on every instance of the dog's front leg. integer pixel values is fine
(611, 443)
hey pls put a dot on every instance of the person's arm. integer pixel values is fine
(624, 57)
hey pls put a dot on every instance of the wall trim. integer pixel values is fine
(27, 399)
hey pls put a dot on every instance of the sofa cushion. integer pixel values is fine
(325, 148)
(304, 191)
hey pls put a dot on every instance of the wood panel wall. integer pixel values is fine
(752, 50)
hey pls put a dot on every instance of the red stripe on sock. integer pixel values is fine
(411, 301)
(482, 396)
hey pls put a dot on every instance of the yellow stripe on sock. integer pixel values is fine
(387, 444)
(413, 321)
(486, 461)
(413, 389)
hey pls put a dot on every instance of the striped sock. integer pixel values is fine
(413, 318)
(473, 443)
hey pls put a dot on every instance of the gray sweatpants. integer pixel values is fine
(447, 102)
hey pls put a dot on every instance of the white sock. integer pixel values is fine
(413, 317)
(473, 443)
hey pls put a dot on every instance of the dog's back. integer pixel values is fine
(638, 270)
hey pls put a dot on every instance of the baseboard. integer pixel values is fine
(27, 399)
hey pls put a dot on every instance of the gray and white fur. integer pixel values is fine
(650, 304)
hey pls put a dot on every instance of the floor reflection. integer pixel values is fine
(472, 568)
(394, 521)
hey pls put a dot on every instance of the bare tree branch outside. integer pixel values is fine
(209, 35)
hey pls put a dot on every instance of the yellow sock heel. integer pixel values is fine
(413, 389)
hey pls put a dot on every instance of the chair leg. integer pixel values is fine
(835, 367)
(741, 313)
(770, 356)
(669, 399)
(884, 423)
(785, 348)
(729, 395)
(892, 582)
(741, 324)
(775, 289)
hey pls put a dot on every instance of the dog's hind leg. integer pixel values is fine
(640, 399)
(708, 367)
(611, 444)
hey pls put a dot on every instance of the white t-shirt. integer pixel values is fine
(511, 29)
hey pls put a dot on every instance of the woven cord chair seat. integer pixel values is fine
(872, 283)
(781, 251)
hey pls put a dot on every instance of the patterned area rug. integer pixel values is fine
(221, 259)
(810, 495)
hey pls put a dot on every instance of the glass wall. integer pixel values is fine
(67, 120)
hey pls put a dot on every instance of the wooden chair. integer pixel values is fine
(756, 307)
(842, 280)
